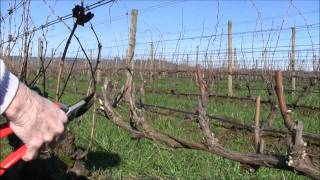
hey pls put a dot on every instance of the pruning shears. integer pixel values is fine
(72, 112)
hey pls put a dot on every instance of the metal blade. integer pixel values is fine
(80, 108)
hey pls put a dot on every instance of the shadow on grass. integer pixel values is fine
(102, 160)
(54, 168)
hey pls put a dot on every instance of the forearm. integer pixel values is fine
(17, 107)
(8, 87)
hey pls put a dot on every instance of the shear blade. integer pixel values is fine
(80, 108)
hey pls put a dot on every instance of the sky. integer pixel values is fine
(164, 22)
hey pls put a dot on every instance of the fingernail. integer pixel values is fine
(26, 158)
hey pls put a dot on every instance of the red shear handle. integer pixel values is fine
(17, 155)
(58, 104)
(62, 106)
(12, 159)
(5, 130)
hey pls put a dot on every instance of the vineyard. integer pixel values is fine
(217, 111)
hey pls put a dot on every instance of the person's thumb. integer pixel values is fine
(32, 151)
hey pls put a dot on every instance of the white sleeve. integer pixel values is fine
(8, 87)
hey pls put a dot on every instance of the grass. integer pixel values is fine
(114, 155)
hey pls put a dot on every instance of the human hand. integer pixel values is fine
(34, 119)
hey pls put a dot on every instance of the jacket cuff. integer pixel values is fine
(9, 84)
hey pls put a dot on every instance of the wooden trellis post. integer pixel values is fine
(99, 70)
(151, 63)
(314, 63)
(132, 37)
(293, 61)
(188, 61)
(265, 59)
(197, 55)
(230, 93)
(130, 51)
(159, 62)
(236, 64)
(39, 58)
(40, 49)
